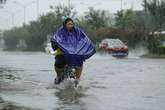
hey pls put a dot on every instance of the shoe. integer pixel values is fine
(57, 80)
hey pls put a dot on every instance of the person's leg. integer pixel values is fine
(78, 72)
(59, 67)
(58, 71)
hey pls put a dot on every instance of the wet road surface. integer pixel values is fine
(26, 83)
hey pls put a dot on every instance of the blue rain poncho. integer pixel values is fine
(75, 44)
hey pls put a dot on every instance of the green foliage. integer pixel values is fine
(12, 37)
(125, 18)
(156, 8)
(161, 50)
(62, 11)
(35, 34)
(130, 26)
(97, 18)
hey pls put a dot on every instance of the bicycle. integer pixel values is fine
(68, 74)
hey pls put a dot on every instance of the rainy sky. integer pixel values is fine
(12, 14)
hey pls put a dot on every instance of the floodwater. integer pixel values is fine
(26, 83)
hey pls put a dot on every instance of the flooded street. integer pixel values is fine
(26, 83)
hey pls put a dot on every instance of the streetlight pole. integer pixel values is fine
(121, 5)
(12, 14)
(132, 5)
(3, 19)
(145, 3)
(24, 9)
(69, 4)
(37, 8)
(24, 6)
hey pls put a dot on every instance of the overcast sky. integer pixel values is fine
(81, 6)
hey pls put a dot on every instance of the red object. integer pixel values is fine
(113, 46)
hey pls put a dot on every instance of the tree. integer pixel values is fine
(156, 8)
(62, 11)
(35, 39)
(97, 18)
(11, 38)
(125, 18)
(49, 23)
(131, 25)
(35, 34)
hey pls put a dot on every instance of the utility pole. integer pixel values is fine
(69, 4)
(12, 14)
(145, 5)
(121, 5)
(37, 8)
(24, 6)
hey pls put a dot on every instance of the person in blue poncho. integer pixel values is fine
(72, 48)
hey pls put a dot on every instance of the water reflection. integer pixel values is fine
(4, 105)
(8, 73)
(26, 81)
(8, 76)
(71, 98)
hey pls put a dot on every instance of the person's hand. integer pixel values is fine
(52, 52)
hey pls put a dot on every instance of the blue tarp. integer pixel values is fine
(75, 44)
